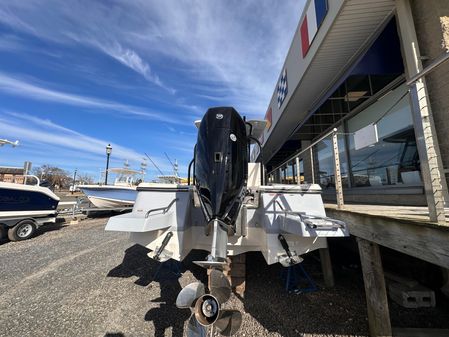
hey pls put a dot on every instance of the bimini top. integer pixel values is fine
(124, 171)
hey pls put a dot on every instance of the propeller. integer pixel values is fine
(219, 286)
(195, 329)
(206, 308)
(189, 294)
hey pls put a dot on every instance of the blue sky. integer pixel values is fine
(77, 75)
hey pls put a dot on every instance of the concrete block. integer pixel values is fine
(417, 296)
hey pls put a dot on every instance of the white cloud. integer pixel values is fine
(186, 54)
(8, 17)
(23, 88)
(42, 138)
(238, 46)
(132, 60)
(30, 128)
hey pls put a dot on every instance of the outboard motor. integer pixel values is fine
(221, 172)
(221, 165)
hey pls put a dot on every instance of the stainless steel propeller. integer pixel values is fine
(194, 328)
(206, 308)
(229, 322)
(219, 286)
(189, 294)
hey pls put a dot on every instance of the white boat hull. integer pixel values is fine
(109, 203)
(106, 196)
(290, 210)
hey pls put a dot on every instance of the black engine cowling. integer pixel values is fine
(221, 163)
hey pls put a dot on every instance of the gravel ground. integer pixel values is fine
(78, 280)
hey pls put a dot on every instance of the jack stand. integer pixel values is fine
(293, 275)
(170, 268)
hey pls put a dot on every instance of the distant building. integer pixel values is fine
(10, 174)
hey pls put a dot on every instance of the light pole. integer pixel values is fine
(74, 179)
(108, 153)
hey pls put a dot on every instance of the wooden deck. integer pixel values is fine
(405, 229)
(408, 213)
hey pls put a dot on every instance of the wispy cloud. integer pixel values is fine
(23, 88)
(162, 63)
(31, 128)
(132, 60)
(8, 17)
(10, 43)
(41, 135)
(209, 42)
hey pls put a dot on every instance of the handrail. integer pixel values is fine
(307, 219)
(164, 209)
(35, 177)
(435, 63)
(333, 131)
(337, 170)
(188, 170)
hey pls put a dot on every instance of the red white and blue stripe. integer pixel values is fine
(315, 14)
(282, 88)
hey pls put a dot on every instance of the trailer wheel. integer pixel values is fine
(22, 230)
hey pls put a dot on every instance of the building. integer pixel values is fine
(10, 174)
(348, 70)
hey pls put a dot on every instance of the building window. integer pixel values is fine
(325, 162)
(301, 171)
(393, 159)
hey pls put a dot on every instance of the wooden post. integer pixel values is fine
(337, 171)
(425, 134)
(235, 271)
(238, 273)
(326, 266)
(376, 294)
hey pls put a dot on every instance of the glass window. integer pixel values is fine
(324, 157)
(301, 171)
(289, 174)
(394, 158)
(358, 90)
(294, 172)
(284, 175)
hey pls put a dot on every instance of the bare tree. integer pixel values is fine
(55, 176)
(85, 179)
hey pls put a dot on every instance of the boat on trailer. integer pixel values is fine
(227, 209)
(121, 194)
(23, 208)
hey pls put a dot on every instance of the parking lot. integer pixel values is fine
(78, 280)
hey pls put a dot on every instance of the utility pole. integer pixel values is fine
(73, 184)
